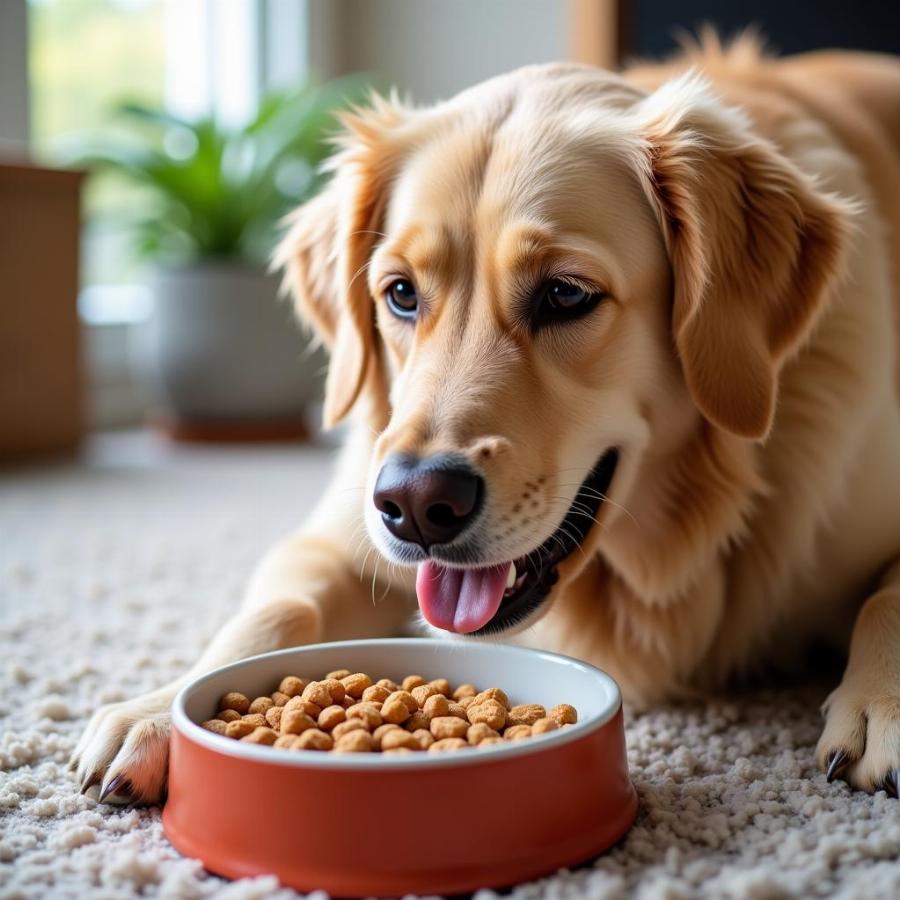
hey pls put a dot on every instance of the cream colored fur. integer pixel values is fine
(745, 364)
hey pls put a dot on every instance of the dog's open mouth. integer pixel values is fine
(490, 599)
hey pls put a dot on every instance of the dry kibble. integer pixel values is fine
(296, 722)
(464, 691)
(316, 692)
(493, 694)
(355, 742)
(291, 685)
(335, 688)
(517, 732)
(542, 726)
(448, 744)
(395, 711)
(350, 712)
(421, 693)
(261, 735)
(238, 729)
(448, 727)
(490, 712)
(525, 714)
(343, 728)
(376, 692)
(233, 700)
(417, 720)
(379, 733)
(217, 726)
(398, 738)
(354, 685)
(261, 705)
(480, 732)
(313, 739)
(331, 716)
(364, 711)
(563, 714)
(436, 705)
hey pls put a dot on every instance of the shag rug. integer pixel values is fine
(116, 569)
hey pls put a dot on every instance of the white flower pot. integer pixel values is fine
(226, 355)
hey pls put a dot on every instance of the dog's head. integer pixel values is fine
(532, 290)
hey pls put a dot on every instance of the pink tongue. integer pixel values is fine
(461, 600)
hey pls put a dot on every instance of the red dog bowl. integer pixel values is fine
(426, 823)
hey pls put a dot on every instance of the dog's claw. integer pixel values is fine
(891, 783)
(835, 763)
(90, 781)
(118, 785)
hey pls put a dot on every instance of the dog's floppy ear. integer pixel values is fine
(753, 245)
(327, 246)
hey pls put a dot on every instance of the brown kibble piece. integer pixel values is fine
(343, 728)
(369, 716)
(261, 735)
(464, 691)
(563, 714)
(313, 739)
(542, 726)
(293, 721)
(397, 751)
(354, 685)
(376, 692)
(331, 716)
(398, 738)
(479, 732)
(255, 719)
(355, 742)
(217, 726)
(416, 721)
(490, 741)
(493, 694)
(456, 709)
(273, 717)
(525, 714)
(316, 692)
(348, 701)
(286, 741)
(335, 689)
(339, 674)
(436, 705)
(442, 686)
(395, 711)
(490, 712)
(406, 698)
(411, 681)
(238, 729)
(423, 737)
(448, 727)
(279, 699)
(517, 732)
(291, 685)
(466, 702)
(379, 733)
(261, 705)
(421, 693)
(311, 709)
(448, 744)
(228, 715)
(388, 685)
(236, 701)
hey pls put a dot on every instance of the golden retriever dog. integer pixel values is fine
(619, 360)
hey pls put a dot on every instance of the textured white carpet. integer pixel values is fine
(114, 572)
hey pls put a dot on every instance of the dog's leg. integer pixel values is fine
(307, 589)
(861, 739)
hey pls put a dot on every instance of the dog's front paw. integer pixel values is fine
(123, 754)
(861, 739)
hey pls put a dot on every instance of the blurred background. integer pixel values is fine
(148, 149)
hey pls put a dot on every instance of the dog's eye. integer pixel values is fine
(559, 299)
(401, 299)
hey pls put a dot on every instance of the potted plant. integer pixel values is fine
(224, 354)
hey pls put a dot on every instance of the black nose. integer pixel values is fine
(427, 501)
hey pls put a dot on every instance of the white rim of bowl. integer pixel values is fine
(321, 760)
